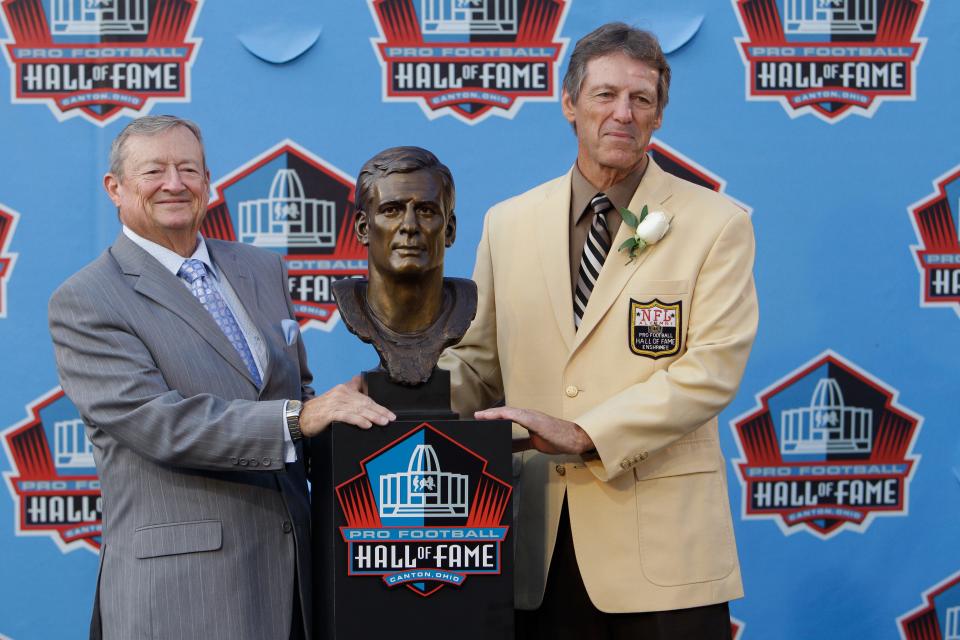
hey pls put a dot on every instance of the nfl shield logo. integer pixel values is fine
(654, 328)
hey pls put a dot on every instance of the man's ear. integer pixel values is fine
(112, 185)
(360, 228)
(566, 104)
(450, 232)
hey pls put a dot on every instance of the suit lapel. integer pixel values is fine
(244, 283)
(654, 190)
(164, 288)
(553, 241)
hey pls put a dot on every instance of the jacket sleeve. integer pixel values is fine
(474, 365)
(650, 415)
(112, 378)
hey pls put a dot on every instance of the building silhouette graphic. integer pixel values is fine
(99, 17)
(71, 448)
(468, 17)
(424, 490)
(830, 16)
(827, 425)
(287, 218)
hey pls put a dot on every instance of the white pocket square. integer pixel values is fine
(290, 330)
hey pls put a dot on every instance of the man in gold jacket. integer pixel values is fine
(614, 368)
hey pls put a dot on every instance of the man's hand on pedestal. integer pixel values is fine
(547, 434)
(343, 403)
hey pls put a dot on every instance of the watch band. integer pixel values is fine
(291, 415)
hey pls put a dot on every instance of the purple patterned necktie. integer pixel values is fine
(195, 273)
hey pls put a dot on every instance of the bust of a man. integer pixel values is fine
(406, 308)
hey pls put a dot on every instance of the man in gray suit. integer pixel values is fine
(185, 361)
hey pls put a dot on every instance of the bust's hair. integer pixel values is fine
(149, 126)
(403, 160)
(617, 37)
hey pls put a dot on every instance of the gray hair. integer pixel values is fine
(403, 160)
(149, 126)
(617, 37)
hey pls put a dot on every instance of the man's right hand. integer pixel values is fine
(343, 403)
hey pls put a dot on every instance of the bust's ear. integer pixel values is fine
(360, 228)
(450, 232)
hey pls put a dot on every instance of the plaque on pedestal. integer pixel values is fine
(412, 532)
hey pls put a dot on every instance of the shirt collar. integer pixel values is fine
(620, 194)
(171, 260)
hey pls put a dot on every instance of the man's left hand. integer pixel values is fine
(547, 434)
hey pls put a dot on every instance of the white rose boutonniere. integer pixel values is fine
(648, 228)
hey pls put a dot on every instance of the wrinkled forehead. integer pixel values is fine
(620, 70)
(177, 145)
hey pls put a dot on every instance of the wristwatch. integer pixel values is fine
(292, 416)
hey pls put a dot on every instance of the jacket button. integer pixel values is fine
(572, 391)
(624, 464)
(561, 470)
(266, 461)
(643, 455)
(287, 526)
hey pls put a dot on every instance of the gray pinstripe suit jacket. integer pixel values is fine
(204, 526)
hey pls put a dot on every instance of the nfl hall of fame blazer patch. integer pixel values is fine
(654, 328)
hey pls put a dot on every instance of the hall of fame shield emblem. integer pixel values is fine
(828, 448)
(424, 513)
(292, 202)
(470, 58)
(99, 59)
(830, 58)
(53, 478)
(936, 221)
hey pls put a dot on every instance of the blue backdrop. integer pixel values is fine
(830, 121)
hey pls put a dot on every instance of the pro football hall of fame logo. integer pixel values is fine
(830, 58)
(938, 617)
(53, 480)
(99, 59)
(469, 58)
(292, 202)
(8, 223)
(935, 219)
(827, 448)
(423, 513)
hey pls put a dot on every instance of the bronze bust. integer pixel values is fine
(406, 308)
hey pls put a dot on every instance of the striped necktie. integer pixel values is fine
(595, 251)
(195, 273)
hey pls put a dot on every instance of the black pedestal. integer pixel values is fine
(411, 523)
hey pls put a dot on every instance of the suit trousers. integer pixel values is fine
(567, 612)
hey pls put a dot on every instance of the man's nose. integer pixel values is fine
(408, 224)
(171, 180)
(622, 111)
